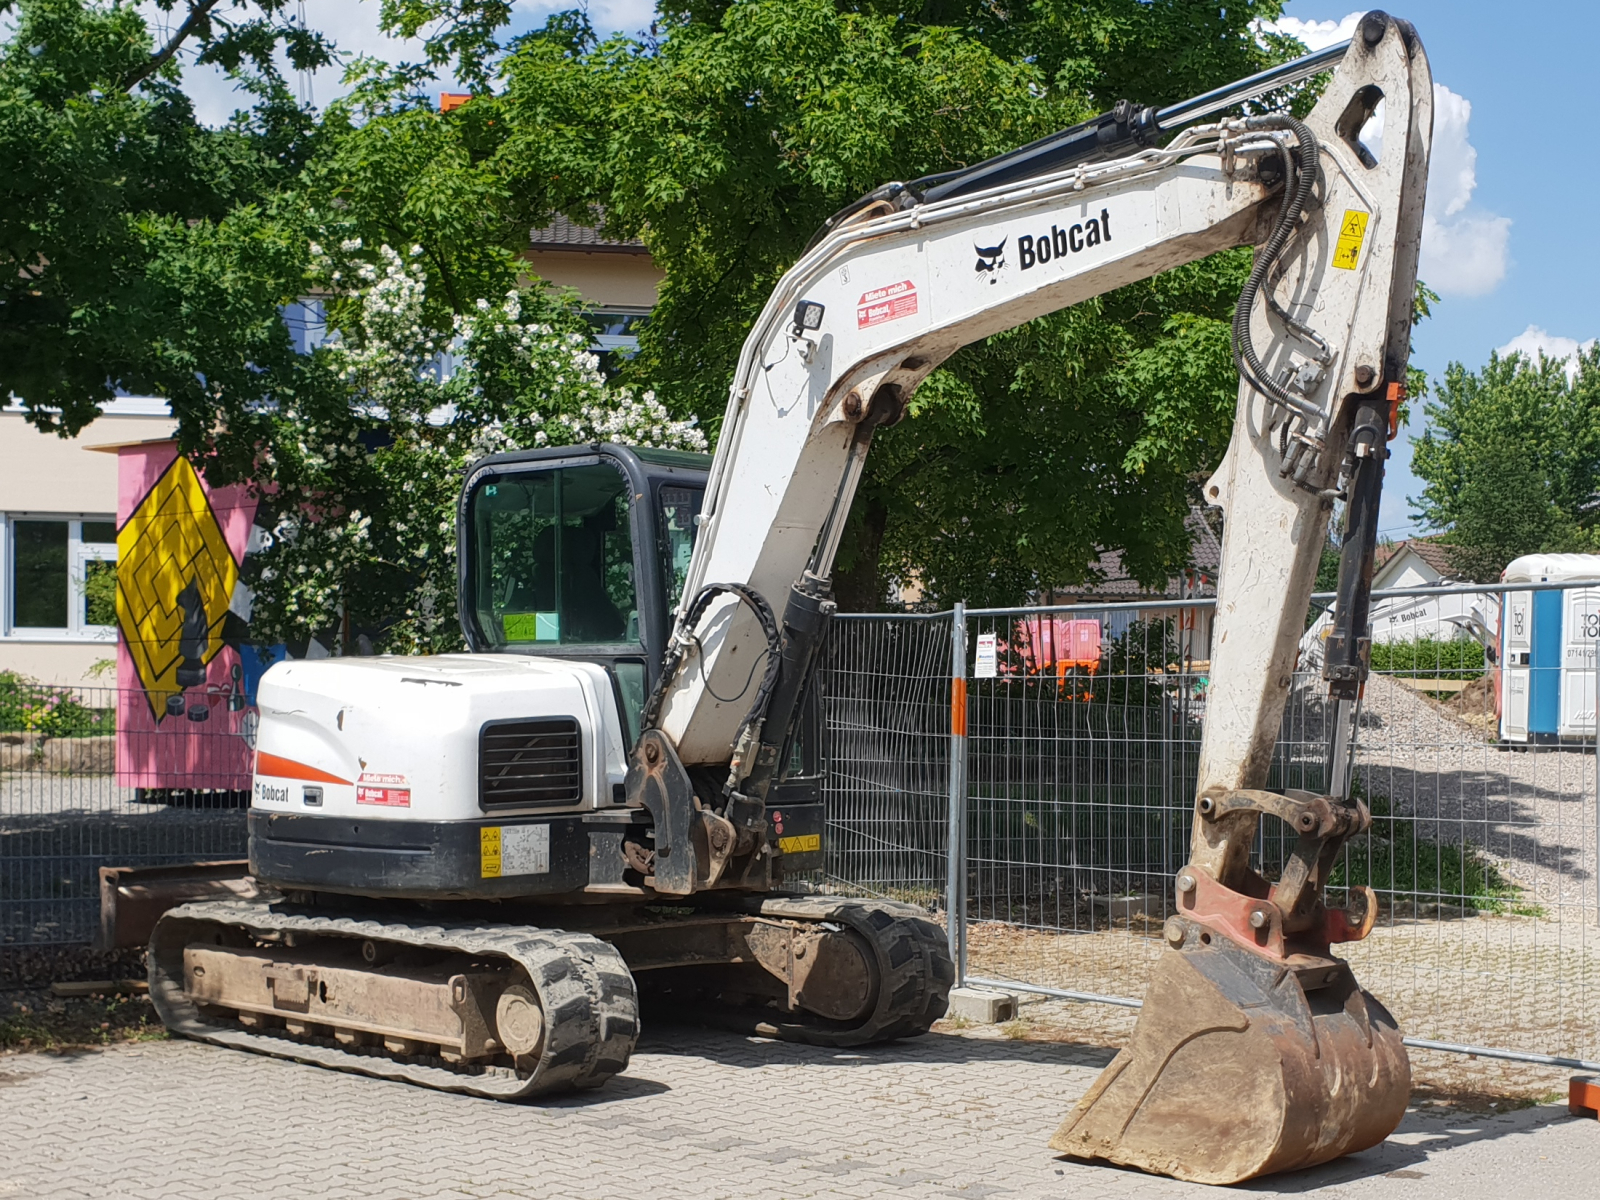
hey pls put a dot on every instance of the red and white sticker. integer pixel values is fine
(886, 304)
(388, 797)
(373, 788)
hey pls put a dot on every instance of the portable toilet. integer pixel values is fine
(1547, 649)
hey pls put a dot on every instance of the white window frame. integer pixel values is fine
(79, 554)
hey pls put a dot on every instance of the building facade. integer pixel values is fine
(58, 542)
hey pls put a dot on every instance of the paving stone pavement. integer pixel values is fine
(698, 1115)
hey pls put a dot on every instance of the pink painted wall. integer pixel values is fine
(173, 751)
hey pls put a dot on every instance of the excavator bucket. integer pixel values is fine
(1256, 1050)
(1239, 1067)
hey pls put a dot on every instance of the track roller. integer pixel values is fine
(503, 1012)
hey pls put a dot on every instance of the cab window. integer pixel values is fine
(553, 555)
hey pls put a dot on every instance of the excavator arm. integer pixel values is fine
(1248, 999)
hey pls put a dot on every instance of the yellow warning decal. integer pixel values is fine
(489, 852)
(1352, 232)
(801, 843)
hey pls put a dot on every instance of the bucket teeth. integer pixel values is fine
(1240, 1066)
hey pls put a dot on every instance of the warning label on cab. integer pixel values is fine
(886, 304)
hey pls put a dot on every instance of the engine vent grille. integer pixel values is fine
(530, 763)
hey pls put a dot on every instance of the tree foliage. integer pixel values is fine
(723, 138)
(726, 139)
(1510, 459)
(141, 247)
(362, 507)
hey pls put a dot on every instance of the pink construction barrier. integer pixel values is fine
(176, 537)
(1058, 644)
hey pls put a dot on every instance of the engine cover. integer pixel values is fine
(456, 776)
(453, 737)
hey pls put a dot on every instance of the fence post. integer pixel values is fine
(956, 850)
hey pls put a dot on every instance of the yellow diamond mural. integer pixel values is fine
(175, 579)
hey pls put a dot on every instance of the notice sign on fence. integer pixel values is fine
(984, 668)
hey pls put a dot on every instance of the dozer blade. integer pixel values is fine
(1241, 1066)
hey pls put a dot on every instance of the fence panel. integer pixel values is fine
(885, 685)
(80, 789)
(1082, 752)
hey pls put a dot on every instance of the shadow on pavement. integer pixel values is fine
(1407, 1159)
(666, 1034)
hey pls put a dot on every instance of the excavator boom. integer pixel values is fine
(1248, 1004)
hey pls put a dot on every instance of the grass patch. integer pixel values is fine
(39, 1023)
(1391, 858)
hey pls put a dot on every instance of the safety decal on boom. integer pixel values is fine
(886, 304)
(1352, 232)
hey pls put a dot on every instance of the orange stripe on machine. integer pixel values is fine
(287, 768)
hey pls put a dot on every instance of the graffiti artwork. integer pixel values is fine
(185, 671)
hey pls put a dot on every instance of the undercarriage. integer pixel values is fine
(506, 1009)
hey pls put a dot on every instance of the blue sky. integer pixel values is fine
(1512, 246)
(1526, 138)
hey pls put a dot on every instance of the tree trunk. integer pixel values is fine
(859, 586)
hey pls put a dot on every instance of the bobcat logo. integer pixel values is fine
(991, 259)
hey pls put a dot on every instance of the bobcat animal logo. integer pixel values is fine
(991, 258)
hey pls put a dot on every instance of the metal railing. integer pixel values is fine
(90, 778)
(1070, 781)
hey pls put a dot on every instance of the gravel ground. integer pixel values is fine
(1517, 983)
(1531, 810)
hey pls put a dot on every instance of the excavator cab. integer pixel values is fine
(580, 552)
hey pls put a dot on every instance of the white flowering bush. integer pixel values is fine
(366, 470)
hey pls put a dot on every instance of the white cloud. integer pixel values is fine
(1465, 251)
(607, 16)
(1534, 341)
(1317, 34)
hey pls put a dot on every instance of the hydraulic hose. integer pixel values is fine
(757, 604)
(1296, 195)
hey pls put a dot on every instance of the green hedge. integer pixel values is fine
(1457, 658)
(29, 707)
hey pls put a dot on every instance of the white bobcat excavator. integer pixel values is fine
(468, 864)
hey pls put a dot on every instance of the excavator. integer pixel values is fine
(466, 868)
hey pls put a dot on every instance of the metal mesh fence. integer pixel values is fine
(1477, 759)
(82, 786)
(885, 686)
(1083, 731)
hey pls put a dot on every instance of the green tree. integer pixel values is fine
(142, 248)
(1510, 459)
(363, 495)
(726, 140)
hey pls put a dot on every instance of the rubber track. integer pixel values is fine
(914, 968)
(591, 1007)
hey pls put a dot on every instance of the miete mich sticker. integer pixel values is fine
(888, 303)
(389, 791)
